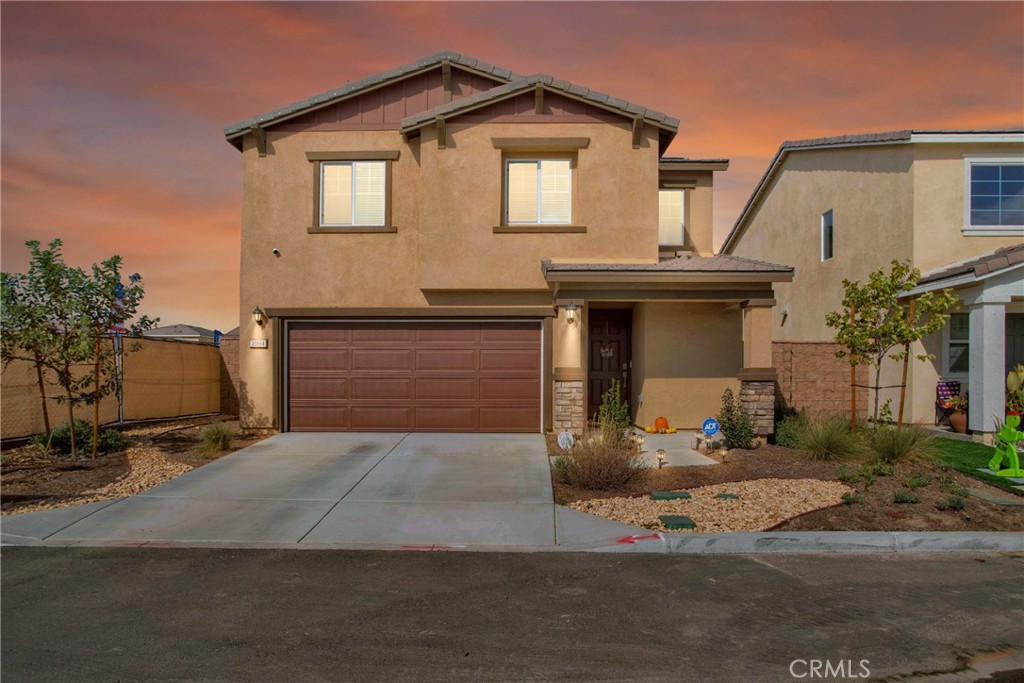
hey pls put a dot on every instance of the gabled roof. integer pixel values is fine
(1000, 259)
(178, 330)
(355, 87)
(521, 85)
(918, 135)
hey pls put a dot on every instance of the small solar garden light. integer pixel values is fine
(661, 458)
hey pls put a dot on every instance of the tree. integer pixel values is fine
(59, 316)
(875, 323)
(108, 305)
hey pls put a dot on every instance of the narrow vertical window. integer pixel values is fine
(959, 344)
(827, 236)
(671, 218)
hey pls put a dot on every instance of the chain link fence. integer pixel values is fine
(160, 379)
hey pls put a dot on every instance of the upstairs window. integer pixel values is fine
(538, 191)
(352, 193)
(995, 196)
(827, 236)
(671, 218)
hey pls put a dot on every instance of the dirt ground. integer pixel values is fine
(878, 512)
(157, 452)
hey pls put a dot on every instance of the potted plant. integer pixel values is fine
(958, 418)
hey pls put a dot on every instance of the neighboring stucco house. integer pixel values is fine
(949, 201)
(449, 246)
(179, 332)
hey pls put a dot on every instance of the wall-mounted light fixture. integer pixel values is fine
(259, 316)
(570, 313)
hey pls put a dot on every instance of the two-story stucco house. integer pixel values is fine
(951, 202)
(449, 246)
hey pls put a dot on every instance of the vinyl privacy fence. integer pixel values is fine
(161, 379)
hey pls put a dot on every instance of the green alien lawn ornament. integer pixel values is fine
(1006, 447)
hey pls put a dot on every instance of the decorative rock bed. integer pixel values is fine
(761, 504)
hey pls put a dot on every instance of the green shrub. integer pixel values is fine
(853, 499)
(600, 460)
(948, 483)
(867, 475)
(60, 438)
(737, 427)
(111, 441)
(904, 497)
(883, 469)
(828, 438)
(951, 503)
(844, 475)
(614, 414)
(216, 437)
(916, 481)
(789, 429)
(895, 445)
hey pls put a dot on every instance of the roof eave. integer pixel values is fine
(642, 277)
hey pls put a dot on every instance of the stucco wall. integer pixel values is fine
(689, 354)
(871, 197)
(939, 196)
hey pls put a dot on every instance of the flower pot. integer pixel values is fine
(958, 421)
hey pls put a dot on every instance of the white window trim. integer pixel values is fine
(946, 340)
(537, 161)
(986, 230)
(821, 236)
(352, 193)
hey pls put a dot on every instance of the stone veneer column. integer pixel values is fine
(569, 412)
(757, 398)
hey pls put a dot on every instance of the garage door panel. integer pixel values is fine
(509, 360)
(505, 388)
(321, 359)
(375, 360)
(414, 376)
(442, 418)
(382, 417)
(381, 388)
(317, 417)
(319, 386)
(509, 419)
(447, 360)
(446, 388)
(382, 333)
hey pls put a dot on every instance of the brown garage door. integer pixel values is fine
(414, 376)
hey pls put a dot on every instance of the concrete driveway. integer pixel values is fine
(341, 490)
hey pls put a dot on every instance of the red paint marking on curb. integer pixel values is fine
(633, 539)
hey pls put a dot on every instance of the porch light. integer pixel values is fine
(259, 316)
(570, 313)
(661, 458)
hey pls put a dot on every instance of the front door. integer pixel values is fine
(610, 334)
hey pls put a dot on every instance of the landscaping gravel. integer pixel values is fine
(762, 504)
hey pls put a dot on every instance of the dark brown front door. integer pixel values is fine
(610, 334)
(414, 376)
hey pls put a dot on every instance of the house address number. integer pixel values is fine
(257, 343)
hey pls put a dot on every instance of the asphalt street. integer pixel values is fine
(177, 614)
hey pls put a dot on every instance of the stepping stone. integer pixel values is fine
(1015, 480)
(670, 495)
(677, 522)
(728, 496)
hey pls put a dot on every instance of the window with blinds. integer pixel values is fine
(538, 191)
(671, 222)
(352, 192)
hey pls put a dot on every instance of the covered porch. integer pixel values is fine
(675, 334)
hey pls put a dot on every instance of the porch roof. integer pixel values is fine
(967, 272)
(682, 269)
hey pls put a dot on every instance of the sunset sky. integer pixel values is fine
(113, 114)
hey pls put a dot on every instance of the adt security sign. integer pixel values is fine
(710, 426)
